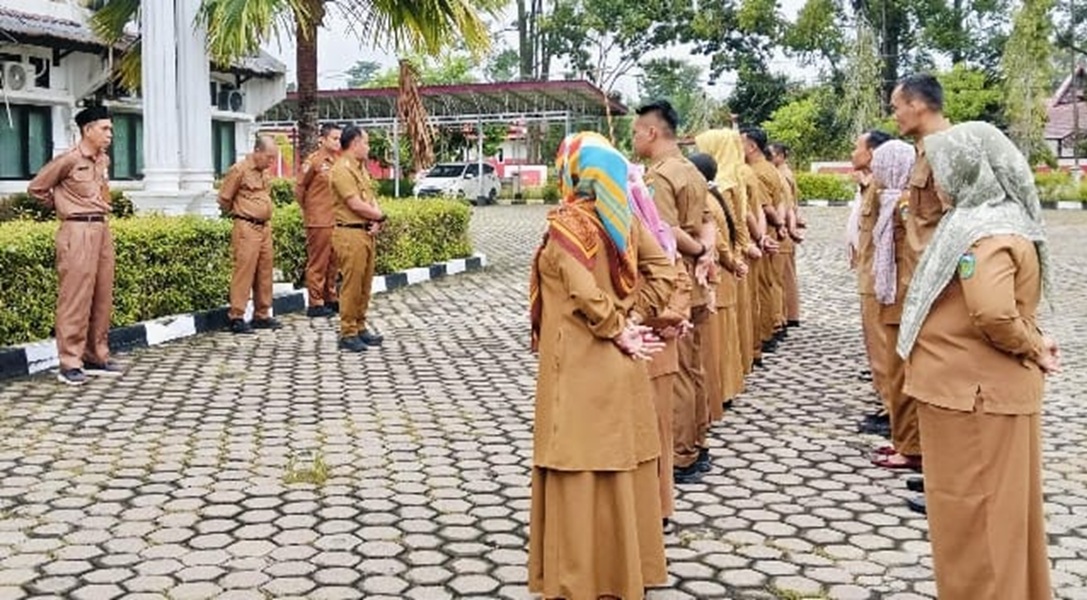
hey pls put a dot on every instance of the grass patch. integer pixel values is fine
(310, 469)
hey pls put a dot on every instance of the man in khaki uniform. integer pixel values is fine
(975, 357)
(358, 221)
(315, 197)
(779, 154)
(679, 192)
(76, 185)
(247, 197)
(770, 275)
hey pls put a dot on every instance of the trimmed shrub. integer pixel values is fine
(165, 265)
(386, 188)
(824, 186)
(23, 206)
(172, 265)
(283, 192)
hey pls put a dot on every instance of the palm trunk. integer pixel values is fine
(306, 68)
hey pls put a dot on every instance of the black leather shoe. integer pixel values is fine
(319, 311)
(269, 323)
(917, 505)
(352, 344)
(916, 484)
(371, 339)
(333, 306)
(758, 363)
(687, 475)
(769, 347)
(875, 425)
(240, 326)
(703, 462)
(794, 323)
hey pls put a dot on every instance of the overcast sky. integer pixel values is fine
(338, 49)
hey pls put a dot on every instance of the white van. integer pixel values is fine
(460, 180)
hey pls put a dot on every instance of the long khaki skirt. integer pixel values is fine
(745, 321)
(596, 533)
(732, 379)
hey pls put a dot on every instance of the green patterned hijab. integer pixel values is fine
(992, 188)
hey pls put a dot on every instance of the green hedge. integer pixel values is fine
(1058, 186)
(172, 265)
(23, 206)
(825, 186)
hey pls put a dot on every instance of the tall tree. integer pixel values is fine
(237, 28)
(679, 82)
(861, 102)
(604, 40)
(362, 73)
(1027, 69)
(757, 94)
(448, 69)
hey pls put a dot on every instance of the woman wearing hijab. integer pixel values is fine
(726, 148)
(891, 164)
(595, 529)
(976, 362)
(724, 357)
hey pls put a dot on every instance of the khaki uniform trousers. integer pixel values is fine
(85, 268)
(902, 409)
(876, 346)
(354, 250)
(691, 419)
(713, 365)
(253, 262)
(769, 301)
(321, 266)
(791, 287)
(983, 491)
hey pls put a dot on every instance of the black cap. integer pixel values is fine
(90, 115)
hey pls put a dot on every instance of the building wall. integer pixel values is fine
(81, 74)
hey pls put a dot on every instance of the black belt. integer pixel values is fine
(354, 225)
(87, 218)
(249, 219)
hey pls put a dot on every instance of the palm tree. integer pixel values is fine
(236, 28)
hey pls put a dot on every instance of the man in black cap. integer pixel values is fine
(76, 185)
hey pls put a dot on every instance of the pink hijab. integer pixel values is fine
(641, 201)
(891, 165)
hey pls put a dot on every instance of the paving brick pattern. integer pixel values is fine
(271, 466)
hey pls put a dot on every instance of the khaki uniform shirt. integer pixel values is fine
(347, 178)
(925, 208)
(979, 344)
(603, 418)
(74, 184)
(866, 243)
(246, 191)
(789, 203)
(314, 191)
(679, 190)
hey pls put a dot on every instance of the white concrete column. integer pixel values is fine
(64, 133)
(193, 79)
(159, 91)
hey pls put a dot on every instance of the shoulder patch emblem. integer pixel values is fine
(903, 210)
(967, 265)
(305, 167)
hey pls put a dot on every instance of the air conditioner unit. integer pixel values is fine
(231, 100)
(16, 77)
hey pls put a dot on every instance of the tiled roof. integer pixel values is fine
(46, 30)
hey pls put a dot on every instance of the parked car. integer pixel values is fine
(460, 180)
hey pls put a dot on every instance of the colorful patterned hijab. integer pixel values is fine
(596, 213)
(992, 187)
(589, 167)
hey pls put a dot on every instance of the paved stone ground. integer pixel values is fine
(176, 481)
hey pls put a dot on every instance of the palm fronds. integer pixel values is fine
(410, 110)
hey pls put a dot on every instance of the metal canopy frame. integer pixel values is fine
(517, 103)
